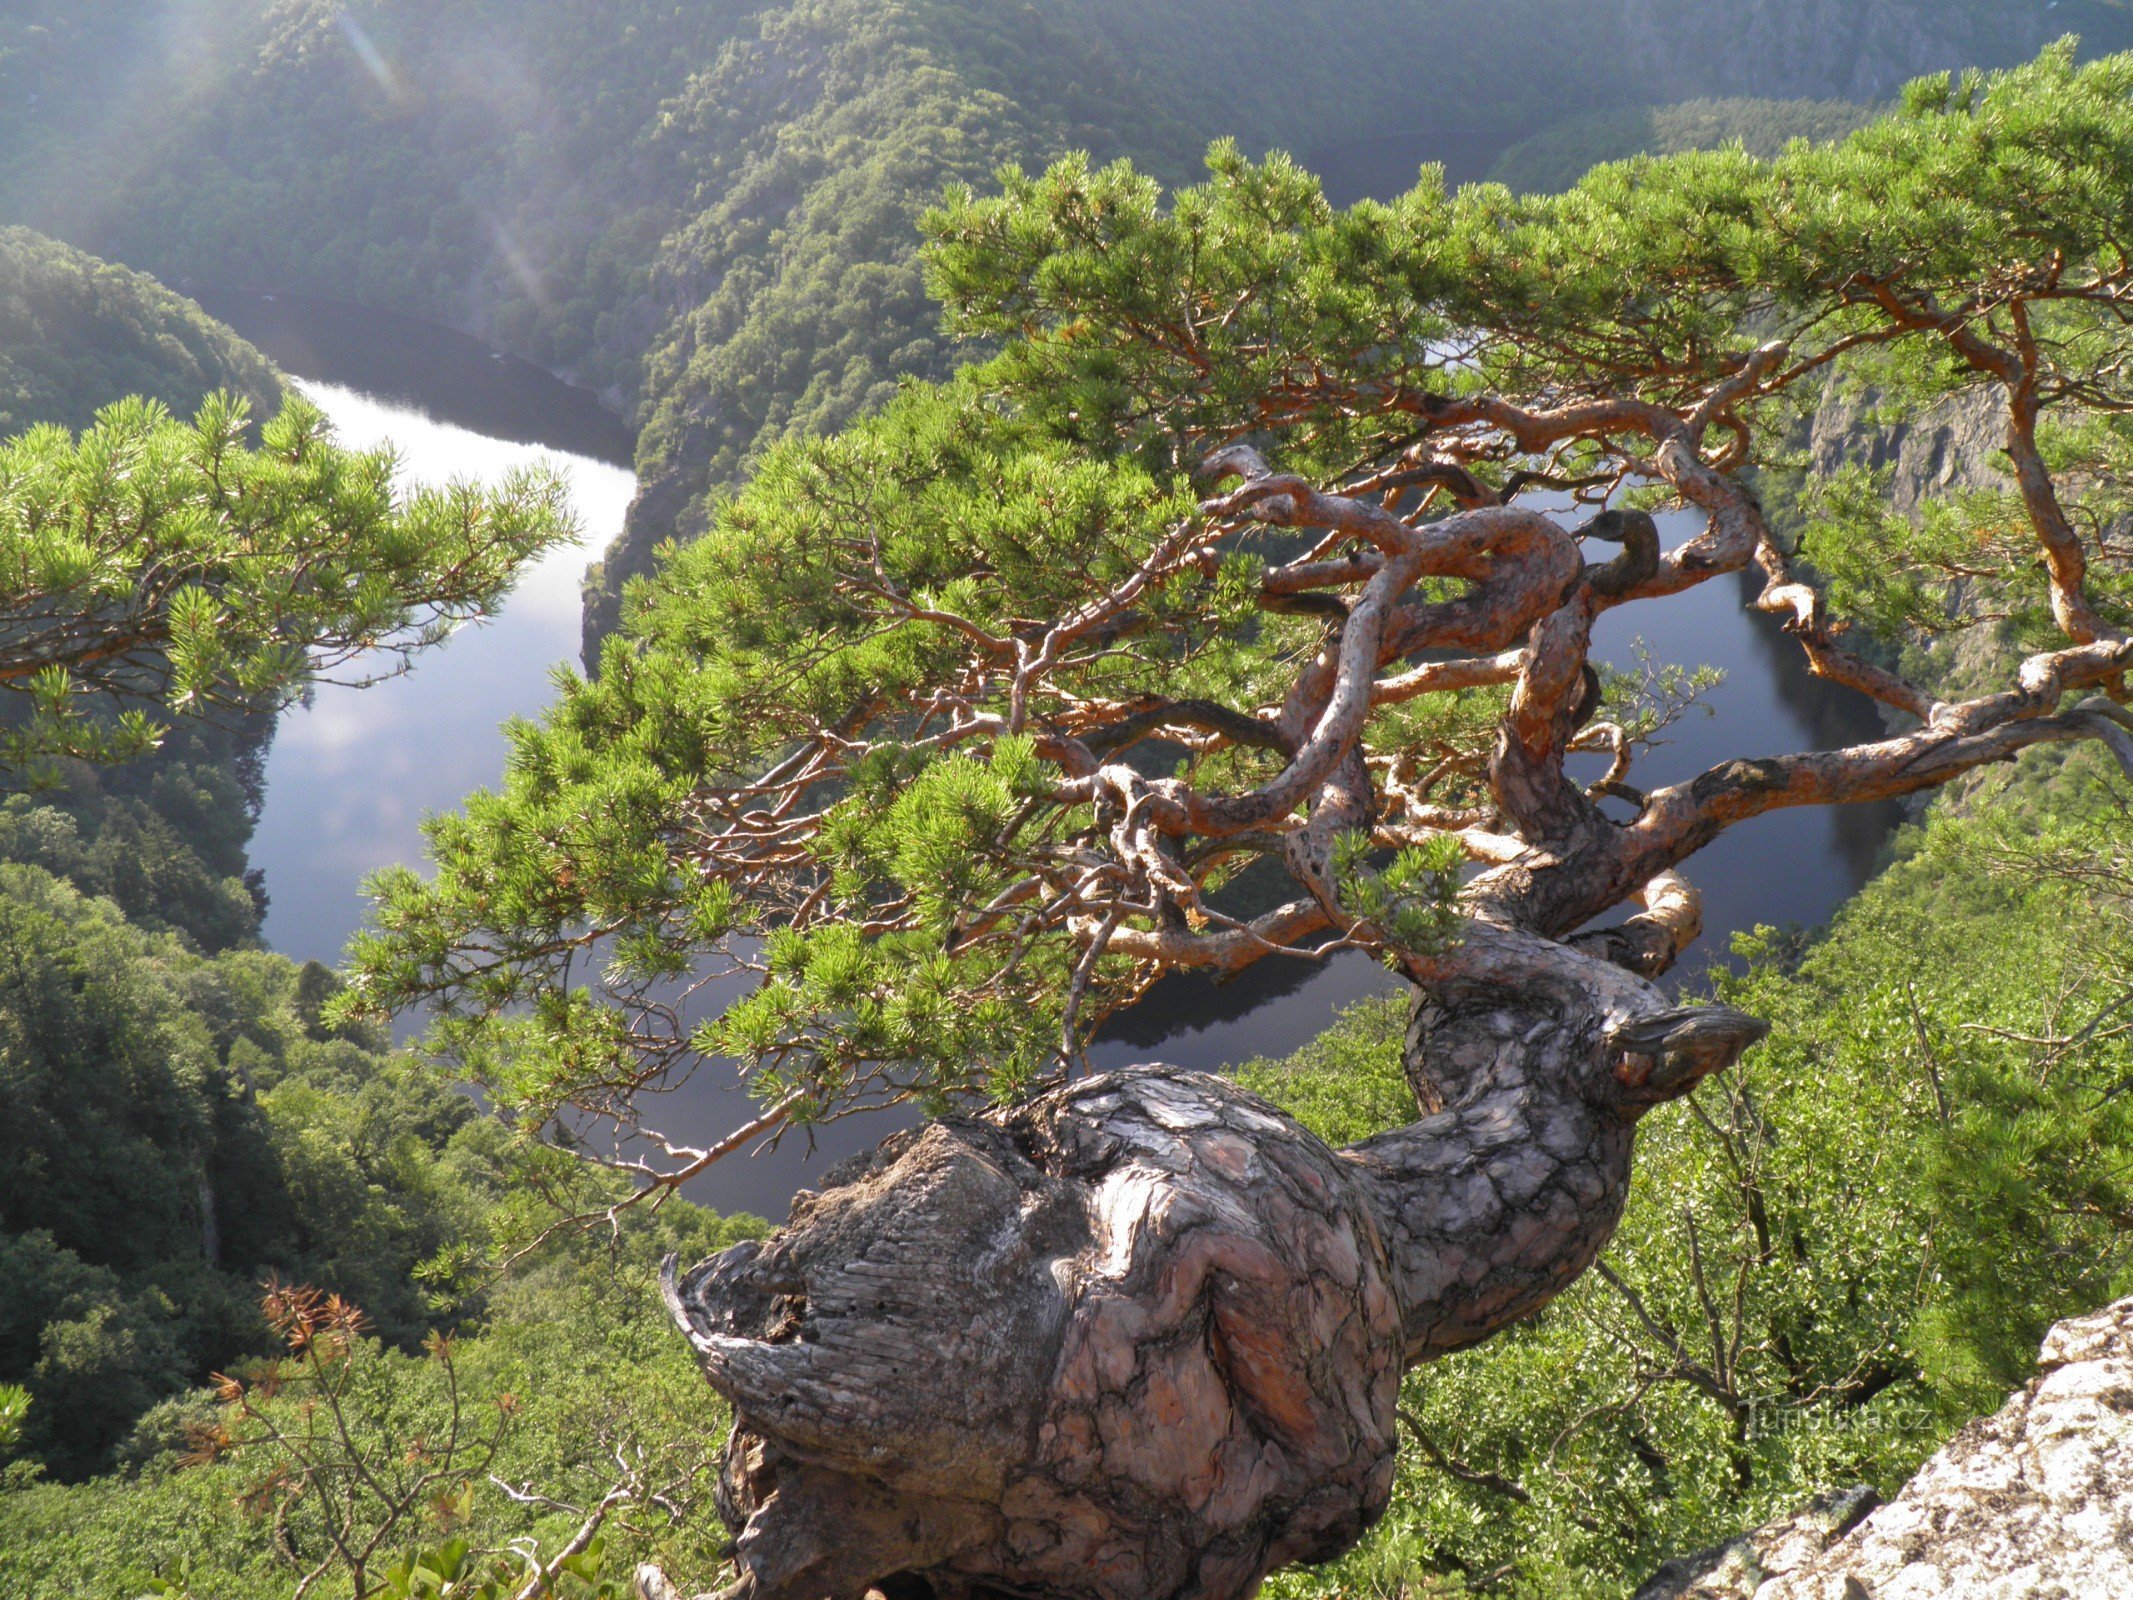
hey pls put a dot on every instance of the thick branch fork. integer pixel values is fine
(1414, 610)
(1426, 588)
(1142, 1338)
(956, 732)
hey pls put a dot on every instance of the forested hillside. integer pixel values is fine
(1833, 1254)
(185, 1119)
(77, 333)
(709, 210)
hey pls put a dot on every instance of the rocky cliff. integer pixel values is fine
(2032, 1503)
(1862, 50)
(1951, 448)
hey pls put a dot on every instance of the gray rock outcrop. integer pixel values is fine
(2032, 1503)
(1863, 50)
(1954, 447)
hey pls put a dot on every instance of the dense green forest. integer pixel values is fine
(712, 211)
(185, 1121)
(709, 210)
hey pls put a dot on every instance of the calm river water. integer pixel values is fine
(353, 773)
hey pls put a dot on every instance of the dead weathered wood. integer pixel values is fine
(1143, 1337)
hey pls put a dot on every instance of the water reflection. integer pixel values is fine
(353, 773)
(1788, 868)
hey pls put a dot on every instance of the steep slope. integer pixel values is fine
(77, 333)
(707, 211)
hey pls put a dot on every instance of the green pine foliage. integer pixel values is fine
(1832, 1257)
(1835, 1255)
(151, 567)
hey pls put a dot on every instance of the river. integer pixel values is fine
(353, 772)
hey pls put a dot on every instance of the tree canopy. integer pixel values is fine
(1231, 611)
(152, 567)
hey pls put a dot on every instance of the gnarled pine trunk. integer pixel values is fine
(1143, 1337)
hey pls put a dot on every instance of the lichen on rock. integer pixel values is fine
(2032, 1503)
